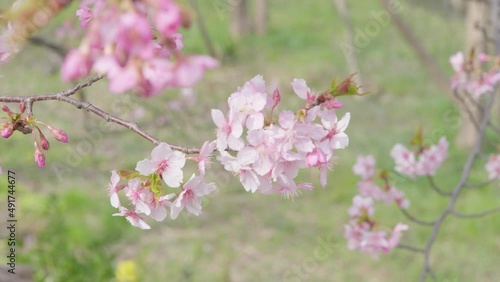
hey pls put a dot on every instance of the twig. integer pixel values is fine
(416, 220)
(479, 185)
(475, 215)
(458, 188)
(64, 96)
(411, 248)
(467, 109)
(58, 49)
(436, 188)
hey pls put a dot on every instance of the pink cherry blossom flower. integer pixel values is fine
(404, 159)
(204, 158)
(39, 156)
(165, 162)
(249, 101)
(76, 65)
(113, 189)
(132, 217)
(85, 16)
(304, 92)
(229, 130)
(190, 197)
(136, 194)
(368, 188)
(397, 196)
(457, 62)
(365, 167)
(361, 206)
(493, 167)
(396, 235)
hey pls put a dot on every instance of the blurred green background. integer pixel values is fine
(65, 227)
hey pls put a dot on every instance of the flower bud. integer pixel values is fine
(6, 109)
(22, 107)
(59, 134)
(44, 143)
(7, 131)
(276, 97)
(39, 156)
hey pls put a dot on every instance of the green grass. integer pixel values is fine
(242, 236)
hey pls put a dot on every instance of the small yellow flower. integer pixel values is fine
(126, 271)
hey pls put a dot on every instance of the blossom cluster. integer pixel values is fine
(367, 186)
(145, 187)
(267, 154)
(136, 44)
(27, 123)
(362, 234)
(424, 161)
(493, 167)
(471, 76)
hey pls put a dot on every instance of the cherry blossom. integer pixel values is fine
(133, 217)
(190, 197)
(493, 167)
(425, 162)
(165, 162)
(114, 189)
(120, 42)
(365, 167)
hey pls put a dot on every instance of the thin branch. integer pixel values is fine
(459, 187)
(416, 220)
(410, 248)
(436, 188)
(64, 96)
(479, 185)
(475, 215)
(61, 51)
(467, 109)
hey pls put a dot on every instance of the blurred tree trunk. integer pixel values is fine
(477, 24)
(261, 16)
(240, 24)
(351, 57)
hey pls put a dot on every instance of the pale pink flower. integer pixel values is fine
(397, 196)
(113, 189)
(190, 69)
(166, 162)
(361, 206)
(229, 130)
(493, 167)
(457, 62)
(303, 91)
(396, 235)
(190, 197)
(336, 137)
(133, 218)
(365, 167)
(404, 159)
(204, 157)
(136, 194)
(368, 188)
(77, 64)
(249, 101)
(84, 14)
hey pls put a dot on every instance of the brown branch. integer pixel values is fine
(479, 185)
(410, 248)
(64, 96)
(459, 187)
(436, 188)
(415, 219)
(413, 42)
(475, 215)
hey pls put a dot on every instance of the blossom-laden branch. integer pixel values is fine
(459, 187)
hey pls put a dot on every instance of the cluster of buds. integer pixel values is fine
(476, 74)
(137, 45)
(28, 124)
